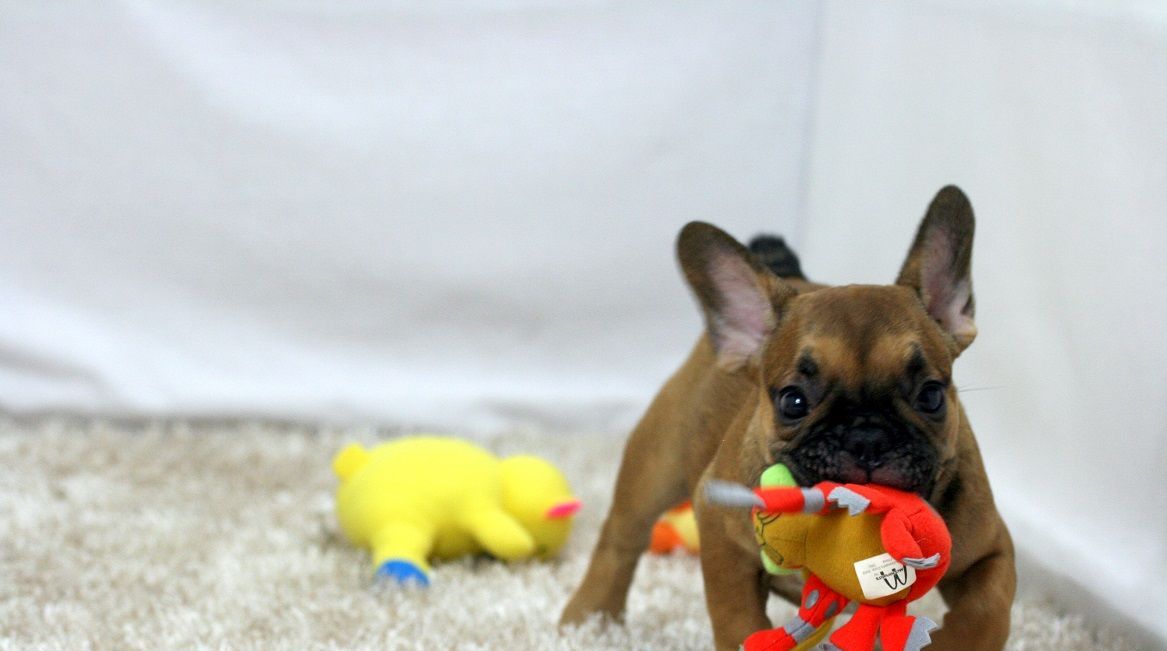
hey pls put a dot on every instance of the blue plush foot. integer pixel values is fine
(403, 572)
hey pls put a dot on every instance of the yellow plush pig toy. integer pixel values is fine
(426, 497)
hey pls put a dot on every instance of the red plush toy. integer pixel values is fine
(875, 545)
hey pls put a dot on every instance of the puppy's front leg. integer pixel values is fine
(650, 480)
(979, 602)
(735, 586)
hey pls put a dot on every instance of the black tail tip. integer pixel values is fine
(773, 252)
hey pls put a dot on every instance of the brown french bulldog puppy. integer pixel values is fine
(848, 384)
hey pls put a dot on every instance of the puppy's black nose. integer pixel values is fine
(867, 445)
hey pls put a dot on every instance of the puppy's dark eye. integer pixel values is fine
(931, 398)
(792, 403)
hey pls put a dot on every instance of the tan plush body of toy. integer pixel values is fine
(424, 497)
(874, 545)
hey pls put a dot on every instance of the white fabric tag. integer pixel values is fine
(880, 576)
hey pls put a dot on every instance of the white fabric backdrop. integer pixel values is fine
(456, 214)
(394, 212)
(1055, 123)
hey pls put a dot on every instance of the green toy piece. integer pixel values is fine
(776, 476)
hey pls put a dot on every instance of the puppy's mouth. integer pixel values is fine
(910, 464)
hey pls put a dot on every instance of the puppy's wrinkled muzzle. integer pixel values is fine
(861, 455)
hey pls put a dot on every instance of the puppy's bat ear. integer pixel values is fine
(739, 296)
(939, 265)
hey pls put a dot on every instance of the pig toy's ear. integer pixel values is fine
(563, 510)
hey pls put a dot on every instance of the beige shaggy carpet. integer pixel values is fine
(174, 536)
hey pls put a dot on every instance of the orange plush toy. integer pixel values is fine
(676, 529)
(871, 544)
